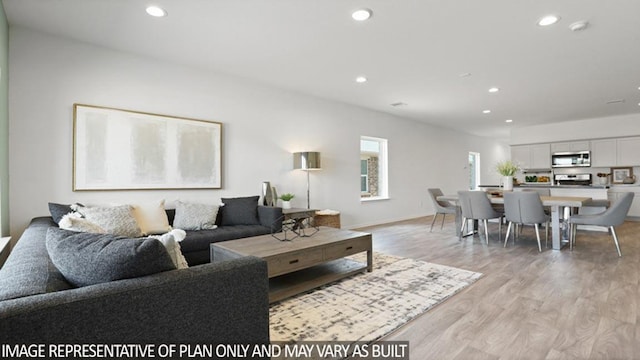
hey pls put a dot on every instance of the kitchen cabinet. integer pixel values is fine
(628, 151)
(521, 155)
(603, 153)
(540, 156)
(570, 146)
(536, 156)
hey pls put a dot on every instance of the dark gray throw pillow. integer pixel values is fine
(240, 211)
(87, 259)
(57, 211)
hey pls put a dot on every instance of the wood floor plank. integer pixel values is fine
(580, 304)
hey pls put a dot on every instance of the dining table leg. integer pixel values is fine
(556, 240)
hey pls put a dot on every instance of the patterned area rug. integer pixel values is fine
(367, 306)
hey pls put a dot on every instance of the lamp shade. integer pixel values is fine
(309, 160)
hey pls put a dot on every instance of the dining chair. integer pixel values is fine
(475, 205)
(442, 207)
(525, 208)
(613, 216)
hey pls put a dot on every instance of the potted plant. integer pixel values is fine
(286, 200)
(507, 169)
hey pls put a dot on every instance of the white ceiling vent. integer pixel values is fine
(399, 104)
(579, 25)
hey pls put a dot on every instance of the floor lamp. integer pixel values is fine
(307, 161)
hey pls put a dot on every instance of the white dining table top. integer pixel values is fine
(571, 201)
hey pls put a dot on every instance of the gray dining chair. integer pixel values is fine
(525, 208)
(613, 216)
(442, 207)
(475, 205)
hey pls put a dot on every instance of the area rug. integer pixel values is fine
(368, 306)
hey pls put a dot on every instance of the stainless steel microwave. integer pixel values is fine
(571, 159)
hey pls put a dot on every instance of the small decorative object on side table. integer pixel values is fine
(297, 221)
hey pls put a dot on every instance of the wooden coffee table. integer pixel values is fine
(303, 263)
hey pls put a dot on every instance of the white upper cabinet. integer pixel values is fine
(520, 155)
(570, 146)
(603, 152)
(540, 156)
(532, 156)
(628, 151)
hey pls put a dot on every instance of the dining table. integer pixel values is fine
(557, 204)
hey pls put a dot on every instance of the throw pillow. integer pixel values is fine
(192, 216)
(57, 211)
(73, 222)
(87, 259)
(171, 242)
(240, 211)
(117, 220)
(152, 217)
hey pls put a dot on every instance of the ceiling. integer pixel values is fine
(412, 51)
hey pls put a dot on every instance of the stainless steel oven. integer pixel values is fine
(571, 159)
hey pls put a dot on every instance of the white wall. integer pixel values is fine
(262, 127)
(614, 126)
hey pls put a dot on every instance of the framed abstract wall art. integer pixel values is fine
(116, 149)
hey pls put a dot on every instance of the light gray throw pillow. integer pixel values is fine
(87, 259)
(192, 216)
(117, 220)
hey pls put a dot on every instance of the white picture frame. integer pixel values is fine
(115, 149)
(618, 174)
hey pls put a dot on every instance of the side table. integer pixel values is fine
(330, 220)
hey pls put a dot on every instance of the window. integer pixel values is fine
(373, 168)
(474, 170)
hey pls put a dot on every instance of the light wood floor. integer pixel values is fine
(580, 304)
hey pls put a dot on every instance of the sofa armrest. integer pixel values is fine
(271, 217)
(225, 302)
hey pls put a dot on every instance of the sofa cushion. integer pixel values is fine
(152, 217)
(29, 270)
(240, 211)
(117, 220)
(87, 259)
(193, 216)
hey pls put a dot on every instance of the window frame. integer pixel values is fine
(383, 168)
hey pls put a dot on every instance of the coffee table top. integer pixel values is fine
(264, 246)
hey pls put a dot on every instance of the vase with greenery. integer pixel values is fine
(286, 200)
(508, 170)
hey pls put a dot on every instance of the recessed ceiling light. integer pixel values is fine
(508, 121)
(486, 111)
(361, 79)
(494, 90)
(548, 20)
(361, 15)
(156, 11)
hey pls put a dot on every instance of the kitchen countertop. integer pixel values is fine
(564, 186)
(610, 186)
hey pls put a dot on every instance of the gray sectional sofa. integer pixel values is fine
(207, 303)
(195, 247)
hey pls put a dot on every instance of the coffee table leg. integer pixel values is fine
(369, 260)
